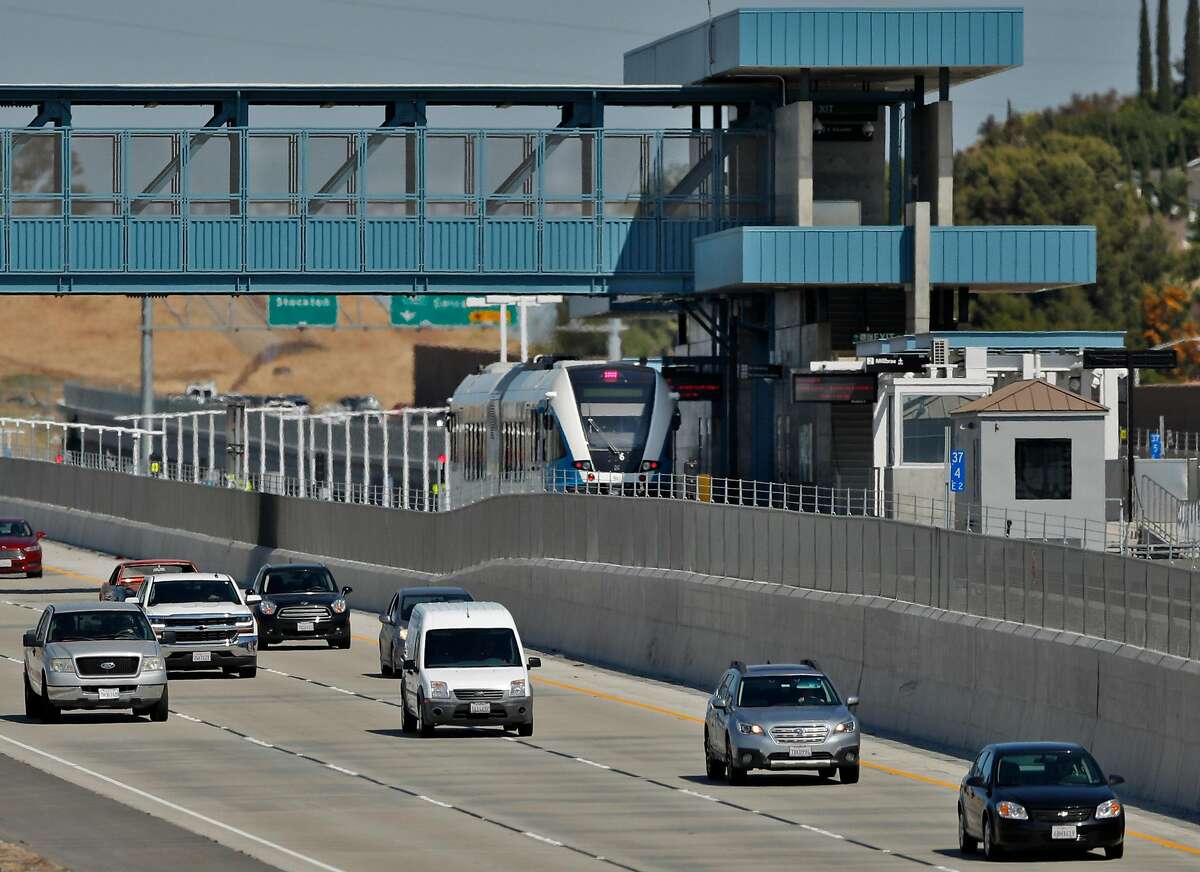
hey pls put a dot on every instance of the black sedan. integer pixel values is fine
(1039, 796)
(299, 601)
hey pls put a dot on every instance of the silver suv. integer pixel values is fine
(94, 655)
(782, 717)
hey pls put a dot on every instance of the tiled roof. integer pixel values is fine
(1032, 395)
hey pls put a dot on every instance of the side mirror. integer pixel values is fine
(410, 665)
(40, 534)
(718, 704)
(347, 590)
(975, 781)
(168, 637)
(252, 599)
(534, 663)
(385, 618)
(851, 701)
(1114, 780)
(29, 639)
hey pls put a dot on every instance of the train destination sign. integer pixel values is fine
(834, 387)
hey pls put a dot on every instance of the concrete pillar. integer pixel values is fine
(794, 164)
(916, 296)
(1110, 397)
(936, 166)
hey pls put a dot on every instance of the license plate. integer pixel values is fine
(481, 708)
(202, 657)
(5, 563)
(109, 693)
(305, 627)
(800, 751)
(1064, 831)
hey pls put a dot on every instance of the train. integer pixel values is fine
(562, 424)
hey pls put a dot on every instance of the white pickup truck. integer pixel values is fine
(208, 614)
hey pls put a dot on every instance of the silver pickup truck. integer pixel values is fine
(94, 655)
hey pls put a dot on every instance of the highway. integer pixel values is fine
(305, 767)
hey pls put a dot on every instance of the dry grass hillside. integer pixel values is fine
(96, 340)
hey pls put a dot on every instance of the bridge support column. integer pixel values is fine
(916, 292)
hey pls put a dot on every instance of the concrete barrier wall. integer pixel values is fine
(935, 676)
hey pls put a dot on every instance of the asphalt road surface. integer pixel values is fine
(305, 767)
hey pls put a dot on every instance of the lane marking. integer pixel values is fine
(254, 741)
(166, 803)
(608, 697)
(696, 794)
(337, 768)
(579, 759)
(544, 839)
(430, 799)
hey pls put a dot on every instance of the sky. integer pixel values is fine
(1070, 46)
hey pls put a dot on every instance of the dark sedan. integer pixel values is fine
(1039, 796)
(300, 601)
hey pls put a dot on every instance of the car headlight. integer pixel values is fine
(1013, 811)
(518, 688)
(439, 690)
(1110, 809)
(750, 729)
(153, 664)
(339, 606)
(62, 664)
(404, 633)
(33, 549)
(266, 607)
(844, 727)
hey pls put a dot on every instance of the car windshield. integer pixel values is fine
(307, 579)
(471, 647)
(411, 601)
(1048, 768)
(202, 590)
(83, 626)
(764, 691)
(154, 569)
(15, 529)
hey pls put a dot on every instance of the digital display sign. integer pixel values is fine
(841, 387)
(693, 386)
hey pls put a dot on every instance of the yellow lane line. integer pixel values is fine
(609, 697)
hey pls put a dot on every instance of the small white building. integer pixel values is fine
(1032, 449)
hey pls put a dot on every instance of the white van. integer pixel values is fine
(464, 665)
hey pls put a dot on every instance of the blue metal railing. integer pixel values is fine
(387, 201)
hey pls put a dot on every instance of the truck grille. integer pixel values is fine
(479, 694)
(800, 734)
(304, 613)
(186, 637)
(209, 623)
(1062, 815)
(91, 666)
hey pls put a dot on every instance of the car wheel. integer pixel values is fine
(525, 730)
(424, 729)
(263, 644)
(1116, 852)
(848, 774)
(734, 774)
(345, 644)
(33, 707)
(37, 574)
(385, 667)
(713, 767)
(991, 850)
(408, 723)
(827, 773)
(49, 712)
(161, 709)
(966, 844)
(248, 671)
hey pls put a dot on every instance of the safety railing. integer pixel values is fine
(1165, 522)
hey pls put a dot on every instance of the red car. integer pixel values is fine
(20, 548)
(129, 575)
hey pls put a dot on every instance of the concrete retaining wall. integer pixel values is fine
(933, 675)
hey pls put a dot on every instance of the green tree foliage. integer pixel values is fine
(1191, 50)
(1145, 62)
(1023, 172)
(1166, 81)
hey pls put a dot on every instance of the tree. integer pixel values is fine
(1024, 175)
(1166, 82)
(1169, 313)
(1191, 50)
(1145, 63)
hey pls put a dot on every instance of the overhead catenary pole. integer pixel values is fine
(346, 461)
(387, 476)
(425, 459)
(404, 473)
(523, 319)
(147, 386)
(504, 333)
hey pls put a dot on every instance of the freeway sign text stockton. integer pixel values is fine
(302, 310)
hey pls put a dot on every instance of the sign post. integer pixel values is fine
(1155, 445)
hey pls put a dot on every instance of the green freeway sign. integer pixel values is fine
(440, 310)
(302, 310)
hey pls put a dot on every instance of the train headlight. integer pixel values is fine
(585, 465)
(649, 465)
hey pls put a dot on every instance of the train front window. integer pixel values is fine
(614, 406)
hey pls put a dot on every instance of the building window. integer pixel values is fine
(1043, 469)
(923, 425)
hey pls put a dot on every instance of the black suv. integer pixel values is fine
(300, 601)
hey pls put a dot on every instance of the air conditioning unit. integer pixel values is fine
(939, 353)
